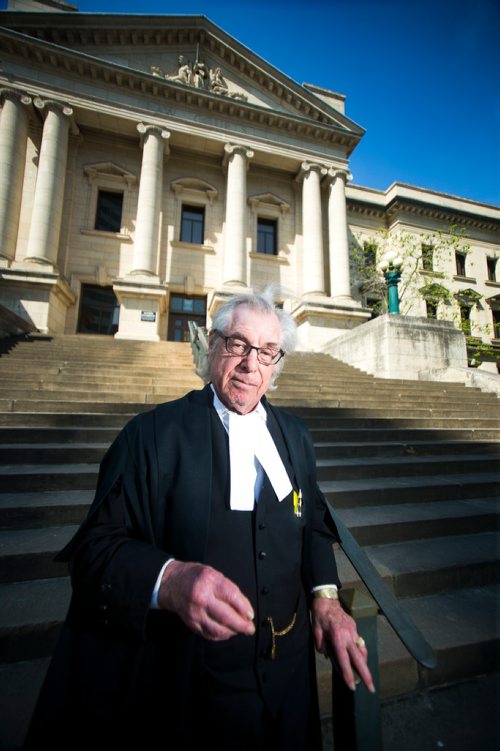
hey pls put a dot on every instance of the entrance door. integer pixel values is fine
(183, 309)
(99, 310)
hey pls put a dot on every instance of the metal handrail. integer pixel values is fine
(199, 344)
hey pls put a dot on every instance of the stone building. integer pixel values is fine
(150, 166)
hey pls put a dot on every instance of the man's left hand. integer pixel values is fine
(332, 624)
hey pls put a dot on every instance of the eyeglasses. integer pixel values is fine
(239, 348)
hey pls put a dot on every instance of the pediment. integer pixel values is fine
(194, 188)
(188, 53)
(109, 171)
(268, 203)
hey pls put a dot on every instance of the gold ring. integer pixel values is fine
(360, 642)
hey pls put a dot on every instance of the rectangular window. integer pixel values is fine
(108, 217)
(427, 257)
(492, 269)
(267, 236)
(431, 309)
(193, 224)
(496, 323)
(460, 263)
(182, 310)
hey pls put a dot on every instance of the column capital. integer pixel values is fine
(231, 148)
(309, 167)
(53, 104)
(15, 96)
(145, 129)
(343, 173)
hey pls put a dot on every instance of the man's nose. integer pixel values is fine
(250, 361)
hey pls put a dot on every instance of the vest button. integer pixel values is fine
(262, 525)
(265, 590)
(262, 554)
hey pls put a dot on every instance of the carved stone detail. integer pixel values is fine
(199, 76)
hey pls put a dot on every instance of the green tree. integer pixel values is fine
(427, 260)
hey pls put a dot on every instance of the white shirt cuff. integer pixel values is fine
(154, 597)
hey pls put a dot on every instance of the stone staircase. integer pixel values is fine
(411, 467)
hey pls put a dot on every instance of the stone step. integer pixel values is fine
(38, 436)
(377, 525)
(52, 453)
(386, 393)
(413, 409)
(67, 420)
(375, 418)
(41, 477)
(74, 396)
(67, 381)
(52, 508)
(422, 488)
(93, 449)
(406, 436)
(405, 466)
(79, 342)
(342, 479)
(14, 384)
(31, 617)
(399, 421)
(394, 448)
(29, 553)
(462, 628)
(426, 566)
(93, 364)
(343, 443)
(50, 407)
(350, 430)
(410, 568)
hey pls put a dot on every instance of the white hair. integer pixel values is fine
(263, 302)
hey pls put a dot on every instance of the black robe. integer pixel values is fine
(121, 672)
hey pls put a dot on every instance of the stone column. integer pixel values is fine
(236, 158)
(154, 147)
(13, 139)
(340, 282)
(45, 229)
(313, 273)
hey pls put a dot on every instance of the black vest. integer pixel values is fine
(261, 551)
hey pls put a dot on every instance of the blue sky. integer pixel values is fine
(421, 76)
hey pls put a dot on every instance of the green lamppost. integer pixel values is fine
(390, 265)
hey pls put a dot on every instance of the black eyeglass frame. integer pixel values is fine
(248, 348)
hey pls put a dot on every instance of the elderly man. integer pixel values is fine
(204, 571)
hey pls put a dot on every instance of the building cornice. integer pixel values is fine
(43, 54)
(441, 213)
(400, 198)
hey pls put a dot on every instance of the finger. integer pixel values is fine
(224, 614)
(360, 661)
(319, 640)
(229, 593)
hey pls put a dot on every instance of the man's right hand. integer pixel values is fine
(208, 603)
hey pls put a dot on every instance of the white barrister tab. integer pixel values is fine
(249, 438)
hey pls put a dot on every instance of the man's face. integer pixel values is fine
(240, 382)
